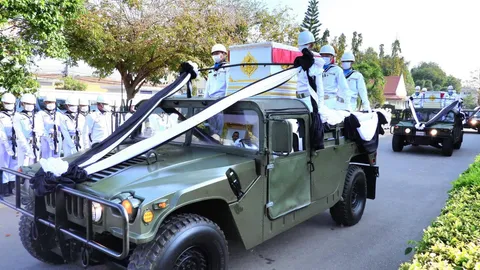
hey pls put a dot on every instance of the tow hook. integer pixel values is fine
(85, 257)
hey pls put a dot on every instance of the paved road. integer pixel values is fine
(412, 189)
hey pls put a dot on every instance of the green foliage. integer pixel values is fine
(430, 74)
(469, 102)
(30, 28)
(357, 41)
(340, 45)
(325, 36)
(453, 239)
(374, 79)
(144, 40)
(70, 83)
(311, 22)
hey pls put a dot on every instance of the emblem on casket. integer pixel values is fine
(249, 70)
(432, 97)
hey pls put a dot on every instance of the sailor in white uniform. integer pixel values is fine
(7, 143)
(48, 122)
(306, 40)
(356, 82)
(216, 87)
(336, 94)
(99, 123)
(417, 97)
(28, 142)
(450, 96)
(71, 126)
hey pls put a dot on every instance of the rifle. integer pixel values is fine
(77, 135)
(34, 138)
(55, 138)
(14, 136)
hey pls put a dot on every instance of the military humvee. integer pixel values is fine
(473, 119)
(443, 125)
(172, 207)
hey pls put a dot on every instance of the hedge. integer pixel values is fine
(452, 241)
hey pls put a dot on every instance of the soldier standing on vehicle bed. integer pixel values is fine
(450, 97)
(48, 122)
(71, 126)
(356, 82)
(417, 97)
(306, 40)
(337, 94)
(216, 86)
(7, 143)
(28, 144)
(84, 110)
(99, 123)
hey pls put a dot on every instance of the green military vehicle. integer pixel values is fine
(430, 123)
(473, 119)
(175, 206)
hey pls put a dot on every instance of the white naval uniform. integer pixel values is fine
(356, 83)
(315, 71)
(448, 99)
(98, 125)
(7, 158)
(337, 94)
(69, 128)
(216, 87)
(23, 125)
(418, 99)
(47, 122)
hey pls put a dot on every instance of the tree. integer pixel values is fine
(451, 80)
(474, 80)
(374, 79)
(145, 39)
(396, 50)
(425, 72)
(340, 45)
(469, 101)
(325, 36)
(29, 28)
(381, 54)
(311, 22)
(357, 41)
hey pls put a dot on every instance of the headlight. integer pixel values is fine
(131, 206)
(433, 132)
(407, 130)
(474, 121)
(97, 211)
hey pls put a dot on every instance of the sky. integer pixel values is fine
(440, 31)
(445, 32)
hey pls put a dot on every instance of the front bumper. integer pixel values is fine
(66, 230)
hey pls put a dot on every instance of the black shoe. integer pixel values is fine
(4, 190)
(11, 186)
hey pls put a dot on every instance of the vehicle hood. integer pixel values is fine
(178, 168)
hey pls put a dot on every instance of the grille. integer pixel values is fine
(112, 170)
(73, 204)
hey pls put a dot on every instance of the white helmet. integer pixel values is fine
(424, 89)
(8, 98)
(348, 57)
(72, 100)
(328, 49)
(83, 102)
(305, 37)
(28, 98)
(450, 87)
(219, 48)
(101, 99)
(417, 88)
(50, 98)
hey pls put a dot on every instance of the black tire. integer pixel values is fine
(184, 241)
(397, 143)
(458, 144)
(478, 130)
(38, 249)
(447, 147)
(349, 211)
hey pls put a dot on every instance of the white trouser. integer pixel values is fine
(48, 148)
(215, 124)
(6, 161)
(23, 159)
(308, 102)
(331, 101)
(68, 150)
(353, 104)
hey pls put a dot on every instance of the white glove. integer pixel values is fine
(10, 152)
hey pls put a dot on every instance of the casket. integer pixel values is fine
(430, 100)
(266, 52)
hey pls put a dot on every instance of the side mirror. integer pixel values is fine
(281, 137)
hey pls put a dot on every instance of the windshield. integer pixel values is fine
(230, 128)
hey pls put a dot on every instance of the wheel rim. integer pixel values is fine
(192, 258)
(358, 195)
